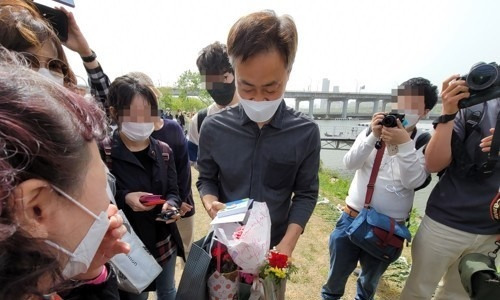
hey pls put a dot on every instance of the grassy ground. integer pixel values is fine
(311, 254)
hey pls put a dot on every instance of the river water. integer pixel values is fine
(332, 159)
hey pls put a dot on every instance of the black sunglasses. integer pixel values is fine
(54, 65)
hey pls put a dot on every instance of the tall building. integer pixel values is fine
(325, 88)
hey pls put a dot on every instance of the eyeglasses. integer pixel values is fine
(54, 65)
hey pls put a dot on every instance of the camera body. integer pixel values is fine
(390, 119)
(484, 84)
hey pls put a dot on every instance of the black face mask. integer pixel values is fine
(222, 93)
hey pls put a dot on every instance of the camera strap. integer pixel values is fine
(490, 164)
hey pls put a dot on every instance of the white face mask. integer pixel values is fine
(79, 261)
(260, 111)
(48, 74)
(137, 132)
(410, 120)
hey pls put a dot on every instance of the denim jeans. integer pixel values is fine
(165, 284)
(344, 257)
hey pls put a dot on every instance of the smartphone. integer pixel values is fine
(151, 200)
(57, 19)
(168, 216)
(66, 2)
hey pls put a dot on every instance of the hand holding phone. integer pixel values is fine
(168, 216)
(57, 19)
(151, 200)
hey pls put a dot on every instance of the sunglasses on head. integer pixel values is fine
(54, 65)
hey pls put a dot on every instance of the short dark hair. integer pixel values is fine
(422, 87)
(213, 60)
(123, 90)
(261, 32)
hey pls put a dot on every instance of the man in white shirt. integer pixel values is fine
(218, 77)
(402, 170)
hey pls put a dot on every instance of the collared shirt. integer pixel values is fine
(399, 175)
(239, 160)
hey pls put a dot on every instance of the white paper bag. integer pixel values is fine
(136, 270)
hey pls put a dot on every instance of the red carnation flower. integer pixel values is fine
(278, 260)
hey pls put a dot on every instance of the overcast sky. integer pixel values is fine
(375, 43)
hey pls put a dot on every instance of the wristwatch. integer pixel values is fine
(89, 59)
(443, 119)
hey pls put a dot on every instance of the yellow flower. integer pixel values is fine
(280, 273)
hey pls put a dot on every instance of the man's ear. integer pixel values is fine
(32, 206)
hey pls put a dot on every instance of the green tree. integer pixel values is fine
(174, 103)
(190, 83)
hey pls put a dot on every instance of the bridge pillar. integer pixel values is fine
(328, 106)
(344, 108)
(297, 104)
(356, 111)
(375, 106)
(311, 108)
(384, 105)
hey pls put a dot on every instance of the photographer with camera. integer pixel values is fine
(400, 171)
(457, 219)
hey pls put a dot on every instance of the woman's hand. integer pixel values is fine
(111, 245)
(133, 200)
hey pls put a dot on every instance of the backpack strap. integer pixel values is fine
(422, 140)
(467, 157)
(166, 151)
(202, 114)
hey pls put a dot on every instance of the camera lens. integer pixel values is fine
(389, 121)
(482, 76)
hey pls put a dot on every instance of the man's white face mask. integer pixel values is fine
(260, 111)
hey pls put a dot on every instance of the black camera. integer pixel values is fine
(391, 119)
(484, 84)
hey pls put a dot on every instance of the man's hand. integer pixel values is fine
(76, 40)
(395, 135)
(486, 142)
(453, 90)
(110, 246)
(375, 124)
(132, 200)
(289, 241)
(212, 205)
(214, 208)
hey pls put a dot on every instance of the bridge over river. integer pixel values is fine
(340, 105)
